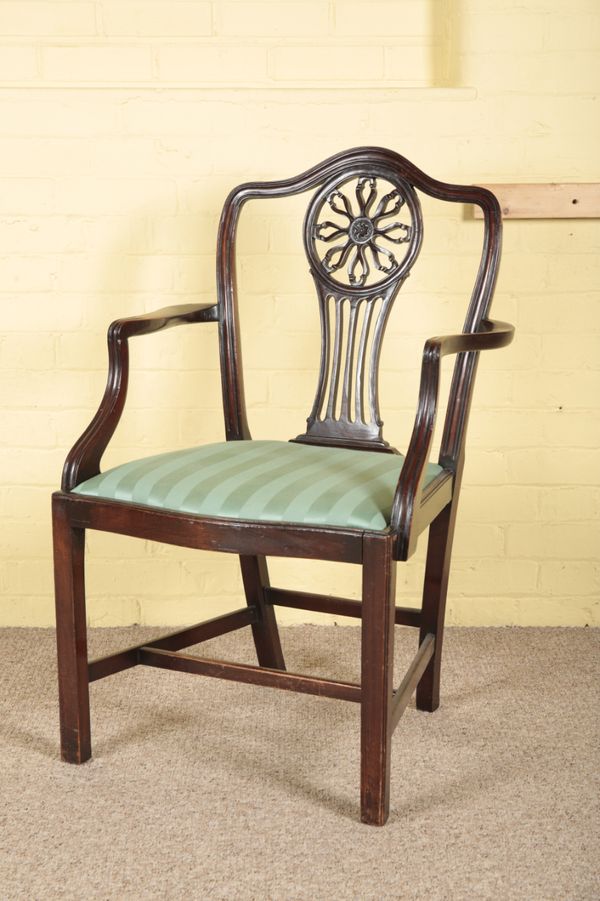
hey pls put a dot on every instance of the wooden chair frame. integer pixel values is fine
(413, 511)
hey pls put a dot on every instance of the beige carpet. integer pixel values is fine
(213, 790)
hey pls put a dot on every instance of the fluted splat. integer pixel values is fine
(362, 234)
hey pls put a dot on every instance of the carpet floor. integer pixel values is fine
(202, 789)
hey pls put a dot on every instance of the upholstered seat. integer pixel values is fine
(272, 481)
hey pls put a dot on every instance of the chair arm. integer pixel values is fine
(490, 336)
(158, 320)
(83, 460)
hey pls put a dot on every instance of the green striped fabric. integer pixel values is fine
(271, 481)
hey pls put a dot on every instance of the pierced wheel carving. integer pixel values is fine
(373, 227)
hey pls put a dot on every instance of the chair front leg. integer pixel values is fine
(435, 590)
(377, 663)
(265, 633)
(71, 639)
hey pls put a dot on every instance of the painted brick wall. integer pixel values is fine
(122, 127)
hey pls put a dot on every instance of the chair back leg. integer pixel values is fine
(377, 663)
(265, 633)
(435, 589)
(71, 638)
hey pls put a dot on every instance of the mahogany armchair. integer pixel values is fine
(338, 491)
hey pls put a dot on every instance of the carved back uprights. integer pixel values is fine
(362, 233)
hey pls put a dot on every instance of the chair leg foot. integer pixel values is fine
(75, 748)
(377, 659)
(265, 633)
(372, 816)
(426, 700)
(71, 639)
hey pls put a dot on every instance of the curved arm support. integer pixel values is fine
(491, 335)
(83, 460)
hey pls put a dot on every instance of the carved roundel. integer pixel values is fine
(363, 231)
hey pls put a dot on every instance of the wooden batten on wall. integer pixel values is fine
(547, 201)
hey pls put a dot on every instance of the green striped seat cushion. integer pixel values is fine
(272, 481)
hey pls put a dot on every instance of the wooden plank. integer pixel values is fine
(71, 639)
(233, 536)
(210, 628)
(408, 685)
(579, 200)
(183, 638)
(376, 677)
(254, 675)
(322, 603)
(112, 663)
(255, 576)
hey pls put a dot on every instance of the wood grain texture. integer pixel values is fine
(576, 200)
(255, 577)
(435, 591)
(407, 687)
(377, 665)
(253, 675)
(71, 638)
(303, 600)
(232, 536)
(173, 641)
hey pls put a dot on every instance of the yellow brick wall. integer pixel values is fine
(123, 123)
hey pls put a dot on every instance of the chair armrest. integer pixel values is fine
(491, 335)
(167, 317)
(83, 460)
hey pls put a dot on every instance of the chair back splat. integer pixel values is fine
(363, 231)
(323, 495)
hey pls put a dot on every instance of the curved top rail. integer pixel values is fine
(359, 157)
